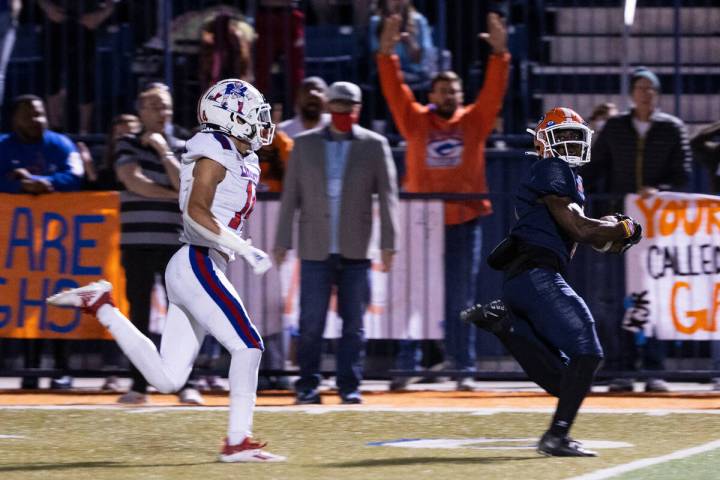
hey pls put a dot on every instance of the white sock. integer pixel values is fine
(244, 366)
(139, 349)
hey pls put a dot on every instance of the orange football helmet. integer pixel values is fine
(562, 133)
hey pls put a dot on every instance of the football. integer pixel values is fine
(617, 245)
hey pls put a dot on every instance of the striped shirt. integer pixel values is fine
(146, 220)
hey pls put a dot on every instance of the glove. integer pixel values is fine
(634, 230)
(256, 258)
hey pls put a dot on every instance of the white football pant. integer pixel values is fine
(201, 299)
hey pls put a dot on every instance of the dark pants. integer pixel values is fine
(142, 264)
(625, 349)
(463, 252)
(353, 295)
(463, 248)
(551, 326)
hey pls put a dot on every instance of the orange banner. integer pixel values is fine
(49, 243)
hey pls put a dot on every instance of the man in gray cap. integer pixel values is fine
(309, 108)
(642, 151)
(333, 174)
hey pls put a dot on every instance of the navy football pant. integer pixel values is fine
(552, 335)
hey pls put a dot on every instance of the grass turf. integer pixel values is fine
(183, 444)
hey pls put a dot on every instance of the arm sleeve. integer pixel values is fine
(388, 196)
(123, 153)
(552, 177)
(9, 185)
(373, 33)
(289, 201)
(405, 110)
(681, 159)
(70, 170)
(489, 101)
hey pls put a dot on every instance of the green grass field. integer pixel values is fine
(183, 443)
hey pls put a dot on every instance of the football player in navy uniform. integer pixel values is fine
(541, 320)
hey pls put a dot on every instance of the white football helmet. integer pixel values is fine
(237, 108)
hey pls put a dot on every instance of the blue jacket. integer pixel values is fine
(54, 159)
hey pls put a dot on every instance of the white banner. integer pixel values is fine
(407, 302)
(673, 274)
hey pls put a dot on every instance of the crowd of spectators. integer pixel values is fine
(642, 150)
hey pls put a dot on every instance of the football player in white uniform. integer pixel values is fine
(218, 178)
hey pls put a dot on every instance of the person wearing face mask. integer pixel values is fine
(333, 174)
(445, 154)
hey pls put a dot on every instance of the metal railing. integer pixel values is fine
(505, 170)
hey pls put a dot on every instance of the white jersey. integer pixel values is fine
(235, 195)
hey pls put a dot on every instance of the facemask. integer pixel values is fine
(344, 121)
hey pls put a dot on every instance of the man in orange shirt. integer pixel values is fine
(446, 154)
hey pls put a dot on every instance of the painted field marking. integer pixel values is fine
(10, 436)
(484, 443)
(646, 462)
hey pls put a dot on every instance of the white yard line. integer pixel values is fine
(644, 463)
(322, 409)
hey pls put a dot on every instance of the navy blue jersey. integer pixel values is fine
(535, 224)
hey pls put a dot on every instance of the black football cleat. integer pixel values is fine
(562, 446)
(492, 316)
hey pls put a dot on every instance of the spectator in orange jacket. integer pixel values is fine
(446, 153)
(273, 160)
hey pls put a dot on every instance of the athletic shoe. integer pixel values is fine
(61, 383)
(133, 398)
(351, 398)
(656, 385)
(716, 384)
(492, 316)
(465, 384)
(621, 385)
(308, 397)
(190, 396)
(562, 446)
(30, 383)
(89, 298)
(112, 384)
(215, 384)
(248, 451)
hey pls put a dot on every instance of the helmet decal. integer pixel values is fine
(237, 108)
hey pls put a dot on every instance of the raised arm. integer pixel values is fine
(489, 100)
(400, 99)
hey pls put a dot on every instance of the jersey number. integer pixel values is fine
(247, 208)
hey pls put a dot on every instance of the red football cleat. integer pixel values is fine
(248, 451)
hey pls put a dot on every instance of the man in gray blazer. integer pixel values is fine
(333, 174)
